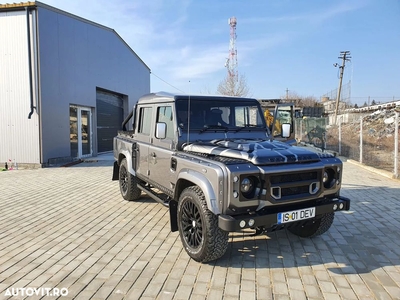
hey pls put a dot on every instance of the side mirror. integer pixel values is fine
(161, 131)
(286, 129)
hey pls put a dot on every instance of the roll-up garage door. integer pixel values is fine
(109, 119)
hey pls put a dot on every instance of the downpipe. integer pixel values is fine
(28, 28)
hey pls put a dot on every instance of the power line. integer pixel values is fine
(167, 82)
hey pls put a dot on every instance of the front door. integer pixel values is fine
(160, 152)
(80, 131)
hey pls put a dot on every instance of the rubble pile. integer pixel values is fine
(380, 123)
(377, 138)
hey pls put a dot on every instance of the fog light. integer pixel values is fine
(341, 205)
(251, 222)
(334, 206)
(242, 223)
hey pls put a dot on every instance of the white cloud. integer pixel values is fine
(198, 64)
(317, 16)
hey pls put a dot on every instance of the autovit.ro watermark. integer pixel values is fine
(28, 291)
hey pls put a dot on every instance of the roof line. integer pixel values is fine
(22, 5)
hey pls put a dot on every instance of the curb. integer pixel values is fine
(383, 173)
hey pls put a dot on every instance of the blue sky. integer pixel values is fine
(285, 44)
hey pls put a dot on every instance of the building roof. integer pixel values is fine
(23, 5)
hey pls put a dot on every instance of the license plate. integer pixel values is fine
(296, 215)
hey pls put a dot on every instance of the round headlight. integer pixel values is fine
(246, 185)
(329, 178)
(326, 177)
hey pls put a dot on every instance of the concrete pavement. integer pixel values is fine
(69, 229)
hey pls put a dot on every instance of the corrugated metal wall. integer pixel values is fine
(76, 57)
(19, 136)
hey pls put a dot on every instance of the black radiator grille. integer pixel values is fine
(295, 190)
(293, 177)
(290, 186)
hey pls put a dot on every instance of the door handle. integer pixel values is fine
(153, 155)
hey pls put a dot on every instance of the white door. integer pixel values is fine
(81, 131)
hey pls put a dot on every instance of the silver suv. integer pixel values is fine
(214, 163)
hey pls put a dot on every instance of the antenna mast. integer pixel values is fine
(231, 62)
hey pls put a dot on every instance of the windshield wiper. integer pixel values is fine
(214, 126)
(247, 126)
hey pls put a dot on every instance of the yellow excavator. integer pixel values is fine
(269, 119)
(276, 115)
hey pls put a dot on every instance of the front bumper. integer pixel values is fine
(269, 220)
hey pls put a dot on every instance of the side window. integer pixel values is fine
(164, 115)
(248, 115)
(145, 120)
(241, 116)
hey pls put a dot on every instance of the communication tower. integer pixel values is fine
(231, 61)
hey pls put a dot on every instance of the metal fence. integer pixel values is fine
(369, 139)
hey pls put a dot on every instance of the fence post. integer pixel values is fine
(396, 145)
(301, 129)
(361, 140)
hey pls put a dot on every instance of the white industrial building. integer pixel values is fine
(66, 85)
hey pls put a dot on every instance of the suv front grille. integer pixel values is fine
(298, 185)
(294, 177)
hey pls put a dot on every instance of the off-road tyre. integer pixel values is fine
(128, 183)
(312, 228)
(198, 227)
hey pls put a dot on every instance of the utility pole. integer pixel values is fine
(345, 56)
(287, 94)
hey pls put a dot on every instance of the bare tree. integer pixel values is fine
(232, 87)
(301, 101)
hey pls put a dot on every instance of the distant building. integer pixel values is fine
(66, 84)
(330, 105)
(313, 111)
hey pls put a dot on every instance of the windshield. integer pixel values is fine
(224, 114)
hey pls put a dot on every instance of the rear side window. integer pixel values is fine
(145, 120)
(164, 115)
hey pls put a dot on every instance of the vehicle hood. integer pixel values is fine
(257, 152)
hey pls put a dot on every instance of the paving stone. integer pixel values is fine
(84, 236)
(313, 291)
(183, 292)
